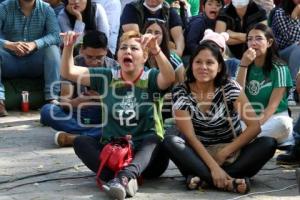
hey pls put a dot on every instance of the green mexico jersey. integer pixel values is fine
(128, 109)
(260, 87)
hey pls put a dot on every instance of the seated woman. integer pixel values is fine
(157, 28)
(129, 97)
(81, 16)
(236, 19)
(266, 80)
(208, 108)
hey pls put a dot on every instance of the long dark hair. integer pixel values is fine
(288, 6)
(88, 16)
(165, 35)
(222, 76)
(272, 51)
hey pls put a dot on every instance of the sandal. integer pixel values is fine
(235, 186)
(194, 182)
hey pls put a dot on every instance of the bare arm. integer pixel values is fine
(177, 35)
(276, 97)
(166, 76)
(234, 38)
(79, 75)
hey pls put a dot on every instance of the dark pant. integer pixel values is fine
(251, 159)
(150, 159)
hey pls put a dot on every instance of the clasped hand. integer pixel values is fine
(21, 48)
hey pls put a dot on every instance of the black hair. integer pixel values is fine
(272, 52)
(288, 6)
(94, 39)
(222, 76)
(88, 16)
(219, 1)
(165, 35)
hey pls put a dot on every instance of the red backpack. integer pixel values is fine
(115, 155)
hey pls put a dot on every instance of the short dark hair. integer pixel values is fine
(222, 76)
(219, 1)
(94, 39)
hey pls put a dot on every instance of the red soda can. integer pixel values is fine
(25, 101)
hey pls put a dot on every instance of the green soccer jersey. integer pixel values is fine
(260, 87)
(126, 109)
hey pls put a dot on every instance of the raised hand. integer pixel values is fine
(150, 41)
(70, 38)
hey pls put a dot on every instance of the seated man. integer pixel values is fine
(29, 45)
(135, 15)
(70, 117)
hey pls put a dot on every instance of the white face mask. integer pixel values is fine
(240, 3)
(151, 8)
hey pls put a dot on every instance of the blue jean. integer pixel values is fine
(232, 66)
(291, 55)
(71, 122)
(44, 62)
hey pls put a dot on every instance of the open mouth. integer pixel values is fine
(127, 61)
(213, 13)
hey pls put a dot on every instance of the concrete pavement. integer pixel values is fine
(33, 168)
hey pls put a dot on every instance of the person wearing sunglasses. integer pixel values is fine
(266, 80)
(69, 118)
(135, 15)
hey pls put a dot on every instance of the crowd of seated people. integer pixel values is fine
(225, 72)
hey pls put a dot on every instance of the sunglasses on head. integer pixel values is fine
(157, 20)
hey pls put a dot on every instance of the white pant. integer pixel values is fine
(280, 127)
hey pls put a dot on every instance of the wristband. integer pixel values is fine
(244, 66)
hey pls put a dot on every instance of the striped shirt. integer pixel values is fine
(40, 26)
(212, 127)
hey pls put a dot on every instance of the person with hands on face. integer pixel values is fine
(266, 80)
(202, 118)
(130, 97)
(28, 45)
(83, 15)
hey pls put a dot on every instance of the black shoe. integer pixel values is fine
(290, 158)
